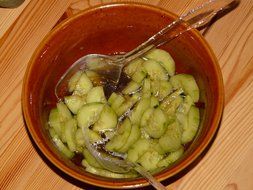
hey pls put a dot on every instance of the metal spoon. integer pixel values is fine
(110, 68)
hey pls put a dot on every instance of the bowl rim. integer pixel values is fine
(141, 182)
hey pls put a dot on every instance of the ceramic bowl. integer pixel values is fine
(110, 29)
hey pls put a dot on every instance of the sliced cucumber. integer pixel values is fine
(165, 88)
(188, 83)
(139, 109)
(171, 158)
(93, 137)
(153, 122)
(55, 123)
(139, 75)
(185, 105)
(90, 159)
(74, 103)
(164, 58)
(191, 129)
(83, 85)
(150, 159)
(154, 102)
(154, 143)
(133, 137)
(171, 140)
(106, 173)
(146, 88)
(89, 114)
(61, 147)
(137, 150)
(131, 88)
(133, 66)
(64, 113)
(70, 132)
(170, 104)
(73, 81)
(155, 70)
(117, 102)
(96, 94)
(127, 105)
(112, 98)
(107, 120)
(120, 139)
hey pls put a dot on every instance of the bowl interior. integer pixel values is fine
(108, 30)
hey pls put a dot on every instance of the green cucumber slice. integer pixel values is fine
(96, 94)
(73, 81)
(154, 102)
(164, 58)
(139, 109)
(55, 123)
(131, 88)
(127, 105)
(74, 103)
(150, 159)
(93, 137)
(90, 159)
(62, 147)
(83, 85)
(153, 122)
(139, 75)
(117, 102)
(120, 139)
(188, 83)
(64, 113)
(133, 137)
(146, 88)
(137, 149)
(133, 66)
(70, 132)
(107, 120)
(171, 158)
(165, 88)
(171, 139)
(89, 114)
(155, 70)
(191, 129)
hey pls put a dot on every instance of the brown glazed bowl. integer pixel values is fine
(110, 29)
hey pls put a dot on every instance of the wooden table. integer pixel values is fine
(228, 163)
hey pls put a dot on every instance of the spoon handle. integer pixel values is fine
(195, 18)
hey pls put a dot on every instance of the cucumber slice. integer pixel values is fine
(146, 88)
(74, 103)
(73, 81)
(127, 105)
(139, 75)
(83, 85)
(154, 102)
(150, 159)
(120, 139)
(188, 83)
(165, 88)
(112, 98)
(96, 94)
(171, 158)
(55, 123)
(131, 88)
(106, 173)
(185, 105)
(133, 137)
(155, 70)
(191, 129)
(107, 120)
(89, 114)
(61, 147)
(156, 146)
(153, 122)
(155, 85)
(118, 102)
(93, 137)
(170, 104)
(64, 113)
(137, 149)
(70, 131)
(139, 109)
(90, 159)
(164, 58)
(133, 66)
(171, 140)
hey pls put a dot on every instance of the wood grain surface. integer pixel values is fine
(227, 165)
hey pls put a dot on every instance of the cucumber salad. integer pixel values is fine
(148, 121)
